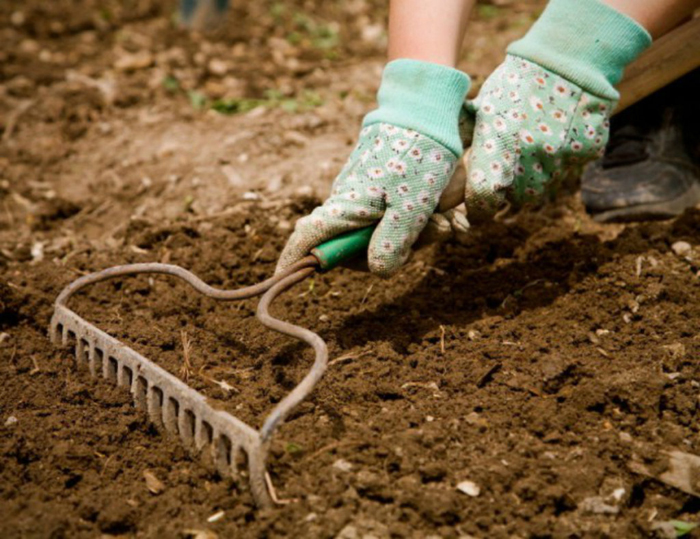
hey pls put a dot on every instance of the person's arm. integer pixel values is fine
(428, 30)
(657, 16)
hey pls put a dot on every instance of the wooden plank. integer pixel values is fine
(668, 59)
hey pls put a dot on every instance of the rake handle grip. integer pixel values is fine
(343, 248)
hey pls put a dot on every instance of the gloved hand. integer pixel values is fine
(547, 107)
(403, 160)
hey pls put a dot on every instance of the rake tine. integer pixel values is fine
(203, 434)
(170, 413)
(97, 357)
(154, 404)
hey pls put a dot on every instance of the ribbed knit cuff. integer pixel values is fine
(584, 41)
(424, 97)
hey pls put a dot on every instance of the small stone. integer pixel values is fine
(469, 488)
(30, 46)
(274, 184)
(596, 505)
(200, 534)
(239, 50)
(217, 67)
(618, 493)
(250, 195)
(11, 421)
(37, 251)
(134, 62)
(17, 18)
(625, 437)
(372, 33)
(681, 248)
(232, 176)
(304, 191)
(675, 350)
(474, 418)
(364, 528)
(348, 532)
(342, 465)
(154, 485)
(324, 318)
(473, 335)
(296, 138)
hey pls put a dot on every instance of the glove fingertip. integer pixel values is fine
(388, 250)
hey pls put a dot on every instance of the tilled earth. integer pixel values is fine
(540, 358)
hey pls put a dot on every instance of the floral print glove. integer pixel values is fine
(547, 107)
(405, 155)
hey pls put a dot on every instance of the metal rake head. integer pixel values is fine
(172, 404)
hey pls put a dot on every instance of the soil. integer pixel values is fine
(538, 357)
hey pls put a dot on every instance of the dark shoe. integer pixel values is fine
(643, 176)
(650, 169)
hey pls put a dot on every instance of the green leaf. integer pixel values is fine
(683, 528)
(171, 84)
(277, 10)
(294, 449)
(197, 99)
(236, 106)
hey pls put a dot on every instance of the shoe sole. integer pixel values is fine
(667, 209)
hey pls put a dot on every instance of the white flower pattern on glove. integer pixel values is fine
(394, 177)
(531, 126)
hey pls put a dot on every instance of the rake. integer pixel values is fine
(179, 409)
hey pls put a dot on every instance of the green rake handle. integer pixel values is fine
(343, 248)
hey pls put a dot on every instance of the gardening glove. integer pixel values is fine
(547, 107)
(405, 155)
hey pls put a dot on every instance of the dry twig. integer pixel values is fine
(273, 493)
(348, 357)
(13, 120)
(364, 298)
(186, 369)
(36, 368)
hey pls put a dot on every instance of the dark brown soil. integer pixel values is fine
(560, 365)
(537, 358)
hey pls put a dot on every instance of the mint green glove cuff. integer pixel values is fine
(584, 41)
(424, 97)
